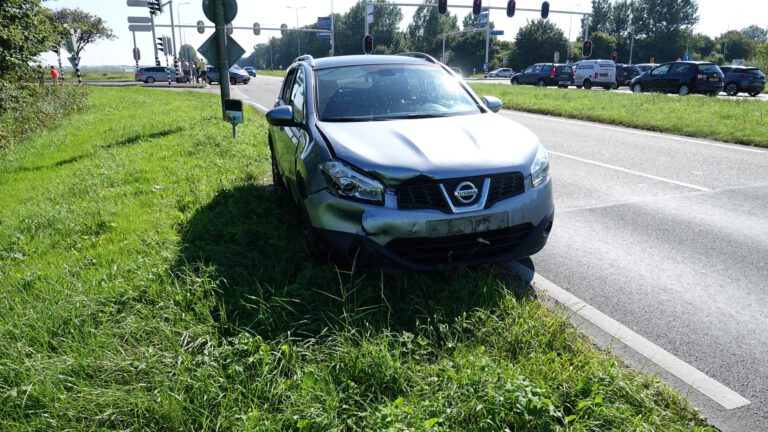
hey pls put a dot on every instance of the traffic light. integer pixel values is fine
(511, 8)
(545, 10)
(368, 44)
(283, 29)
(160, 46)
(477, 5)
(586, 48)
(256, 29)
(155, 7)
(614, 56)
(442, 6)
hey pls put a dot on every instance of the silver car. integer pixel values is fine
(394, 161)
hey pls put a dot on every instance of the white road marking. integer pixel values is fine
(637, 132)
(711, 388)
(246, 100)
(613, 167)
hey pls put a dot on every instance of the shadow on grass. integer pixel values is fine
(249, 241)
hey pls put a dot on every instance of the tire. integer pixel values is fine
(540, 83)
(731, 89)
(277, 181)
(754, 94)
(637, 88)
(684, 90)
(514, 81)
(578, 87)
(587, 84)
(150, 80)
(607, 87)
(232, 81)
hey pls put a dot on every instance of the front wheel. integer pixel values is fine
(587, 84)
(684, 90)
(514, 81)
(232, 81)
(150, 80)
(732, 89)
(754, 94)
(637, 88)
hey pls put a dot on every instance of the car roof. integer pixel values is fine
(359, 60)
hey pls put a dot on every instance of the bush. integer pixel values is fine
(25, 108)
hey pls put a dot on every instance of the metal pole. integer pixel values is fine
(570, 23)
(154, 40)
(61, 68)
(443, 58)
(173, 38)
(221, 43)
(365, 15)
(333, 35)
(134, 50)
(488, 35)
(586, 29)
(271, 65)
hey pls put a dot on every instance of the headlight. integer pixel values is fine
(540, 167)
(345, 182)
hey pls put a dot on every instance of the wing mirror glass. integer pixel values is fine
(281, 116)
(493, 103)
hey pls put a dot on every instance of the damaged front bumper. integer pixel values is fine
(385, 236)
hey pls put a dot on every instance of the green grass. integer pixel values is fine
(103, 76)
(737, 121)
(275, 73)
(153, 280)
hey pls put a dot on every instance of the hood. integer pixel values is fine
(442, 147)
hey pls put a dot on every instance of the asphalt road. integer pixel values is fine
(668, 236)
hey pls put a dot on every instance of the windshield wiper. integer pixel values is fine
(346, 119)
(415, 116)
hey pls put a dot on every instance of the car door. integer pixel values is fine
(532, 77)
(526, 75)
(676, 75)
(281, 142)
(656, 78)
(297, 135)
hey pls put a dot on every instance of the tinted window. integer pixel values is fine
(661, 70)
(725, 69)
(679, 68)
(755, 73)
(538, 69)
(382, 92)
(564, 69)
(297, 96)
(708, 67)
(632, 69)
(285, 93)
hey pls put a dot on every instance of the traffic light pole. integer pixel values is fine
(154, 39)
(487, 38)
(221, 42)
(173, 38)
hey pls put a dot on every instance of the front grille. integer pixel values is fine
(458, 248)
(426, 194)
(505, 186)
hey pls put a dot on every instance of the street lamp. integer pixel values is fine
(298, 41)
(178, 18)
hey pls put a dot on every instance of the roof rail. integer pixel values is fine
(420, 55)
(306, 57)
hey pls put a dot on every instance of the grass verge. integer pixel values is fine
(152, 279)
(275, 73)
(736, 121)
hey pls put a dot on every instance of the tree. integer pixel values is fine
(537, 42)
(26, 31)
(601, 16)
(734, 45)
(88, 28)
(603, 45)
(755, 33)
(427, 27)
(187, 52)
(660, 27)
(349, 28)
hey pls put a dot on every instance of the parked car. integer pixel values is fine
(545, 74)
(681, 77)
(743, 79)
(601, 73)
(250, 71)
(236, 75)
(625, 73)
(154, 74)
(393, 161)
(501, 73)
(645, 67)
(456, 70)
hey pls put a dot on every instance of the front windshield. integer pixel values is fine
(386, 92)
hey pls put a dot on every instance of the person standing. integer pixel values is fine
(185, 70)
(54, 75)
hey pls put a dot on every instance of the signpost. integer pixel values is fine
(497, 32)
(139, 20)
(233, 113)
(139, 28)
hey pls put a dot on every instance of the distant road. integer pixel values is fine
(667, 235)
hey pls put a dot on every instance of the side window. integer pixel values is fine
(679, 68)
(285, 93)
(529, 70)
(537, 69)
(661, 70)
(297, 96)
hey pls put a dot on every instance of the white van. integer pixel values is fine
(589, 73)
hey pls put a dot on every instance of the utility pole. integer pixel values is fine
(333, 35)
(298, 34)
(488, 36)
(173, 38)
(154, 39)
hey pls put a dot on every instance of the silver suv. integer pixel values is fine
(395, 161)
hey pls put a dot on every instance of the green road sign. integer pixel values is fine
(230, 10)
(209, 51)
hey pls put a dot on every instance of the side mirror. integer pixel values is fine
(281, 116)
(493, 103)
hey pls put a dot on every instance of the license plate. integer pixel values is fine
(714, 79)
(563, 83)
(603, 75)
(467, 225)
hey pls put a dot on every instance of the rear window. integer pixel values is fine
(708, 67)
(632, 69)
(564, 69)
(755, 73)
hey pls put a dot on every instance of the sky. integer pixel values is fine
(715, 17)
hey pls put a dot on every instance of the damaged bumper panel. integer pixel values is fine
(385, 236)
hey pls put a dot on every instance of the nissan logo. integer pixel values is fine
(465, 192)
